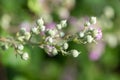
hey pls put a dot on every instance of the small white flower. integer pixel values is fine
(75, 53)
(87, 23)
(89, 38)
(51, 32)
(81, 34)
(35, 30)
(25, 56)
(42, 28)
(59, 26)
(62, 34)
(54, 51)
(65, 46)
(95, 33)
(93, 20)
(27, 35)
(40, 22)
(50, 40)
(22, 31)
(20, 47)
(64, 23)
(48, 48)
(5, 46)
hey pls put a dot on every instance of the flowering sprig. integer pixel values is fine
(53, 40)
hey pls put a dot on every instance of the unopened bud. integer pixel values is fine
(93, 20)
(54, 51)
(50, 40)
(35, 30)
(40, 22)
(75, 53)
(22, 31)
(95, 32)
(27, 35)
(59, 26)
(81, 34)
(42, 28)
(87, 23)
(63, 23)
(89, 39)
(5, 47)
(20, 47)
(25, 56)
(62, 34)
(51, 32)
(65, 46)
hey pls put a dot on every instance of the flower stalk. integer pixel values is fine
(55, 40)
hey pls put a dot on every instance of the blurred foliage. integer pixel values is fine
(40, 66)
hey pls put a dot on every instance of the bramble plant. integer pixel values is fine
(52, 40)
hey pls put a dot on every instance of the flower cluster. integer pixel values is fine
(89, 33)
(55, 40)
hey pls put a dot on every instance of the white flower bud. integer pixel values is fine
(65, 46)
(64, 23)
(87, 23)
(81, 34)
(42, 28)
(93, 20)
(51, 32)
(22, 30)
(54, 51)
(25, 56)
(62, 34)
(89, 38)
(5, 47)
(75, 53)
(40, 22)
(48, 48)
(27, 35)
(59, 26)
(35, 30)
(50, 40)
(95, 32)
(20, 47)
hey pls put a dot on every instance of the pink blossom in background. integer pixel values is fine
(73, 21)
(97, 51)
(99, 35)
(50, 25)
(78, 23)
(26, 25)
(69, 72)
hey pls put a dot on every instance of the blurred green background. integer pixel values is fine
(102, 62)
